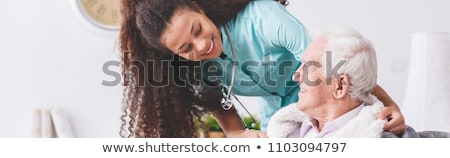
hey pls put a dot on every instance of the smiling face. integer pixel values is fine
(314, 92)
(192, 35)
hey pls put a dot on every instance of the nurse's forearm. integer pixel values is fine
(230, 122)
(384, 97)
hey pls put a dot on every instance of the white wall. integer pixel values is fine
(51, 58)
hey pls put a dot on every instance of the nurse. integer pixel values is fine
(177, 54)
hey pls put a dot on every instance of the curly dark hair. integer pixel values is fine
(158, 89)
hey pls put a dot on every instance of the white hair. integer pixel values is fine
(346, 44)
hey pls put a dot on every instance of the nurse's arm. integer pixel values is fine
(391, 112)
(233, 127)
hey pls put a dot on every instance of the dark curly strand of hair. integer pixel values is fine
(222, 11)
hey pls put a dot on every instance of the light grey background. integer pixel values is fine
(50, 57)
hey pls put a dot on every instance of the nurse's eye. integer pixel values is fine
(185, 49)
(199, 30)
(188, 49)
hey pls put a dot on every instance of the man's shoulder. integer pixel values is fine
(284, 121)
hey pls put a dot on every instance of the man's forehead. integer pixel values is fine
(319, 43)
(314, 49)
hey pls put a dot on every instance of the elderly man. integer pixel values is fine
(338, 74)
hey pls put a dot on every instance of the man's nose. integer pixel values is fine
(297, 77)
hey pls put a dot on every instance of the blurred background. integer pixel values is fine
(51, 56)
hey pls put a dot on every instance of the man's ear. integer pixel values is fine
(341, 87)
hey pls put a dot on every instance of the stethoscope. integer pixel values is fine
(228, 96)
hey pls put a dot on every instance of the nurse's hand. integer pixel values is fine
(390, 112)
(396, 121)
(247, 134)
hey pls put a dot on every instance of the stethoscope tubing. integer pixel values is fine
(228, 103)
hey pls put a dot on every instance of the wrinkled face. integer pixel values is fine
(192, 35)
(314, 92)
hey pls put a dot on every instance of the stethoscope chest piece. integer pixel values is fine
(227, 101)
(227, 104)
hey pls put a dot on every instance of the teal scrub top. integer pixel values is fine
(268, 43)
